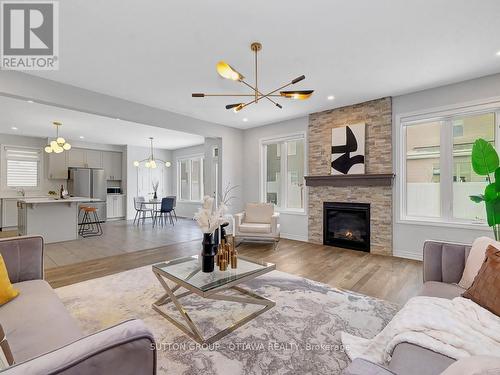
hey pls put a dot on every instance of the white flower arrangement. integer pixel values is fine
(207, 218)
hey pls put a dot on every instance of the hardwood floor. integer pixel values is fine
(119, 237)
(389, 278)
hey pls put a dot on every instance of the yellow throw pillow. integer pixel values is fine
(7, 291)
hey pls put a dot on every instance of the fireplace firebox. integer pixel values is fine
(347, 225)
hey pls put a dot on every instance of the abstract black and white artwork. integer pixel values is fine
(348, 149)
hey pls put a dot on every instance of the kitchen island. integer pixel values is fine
(55, 220)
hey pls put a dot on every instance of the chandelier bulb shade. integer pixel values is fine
(151, 161)
(299, 95)
(59, 144)
(228, 72)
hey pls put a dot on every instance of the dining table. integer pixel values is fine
(154, 205)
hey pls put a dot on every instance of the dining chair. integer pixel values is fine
(141, 209)
(166, 208)
(175, 204)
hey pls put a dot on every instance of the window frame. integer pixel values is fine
(190, 158)
(282, 139)
(446, 115)
(40, 168)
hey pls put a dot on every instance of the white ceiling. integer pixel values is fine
(159, 52)
(34, 119)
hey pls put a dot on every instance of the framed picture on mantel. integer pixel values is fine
(348, 149)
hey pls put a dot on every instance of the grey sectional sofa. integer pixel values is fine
(45, 339)
(443, 267)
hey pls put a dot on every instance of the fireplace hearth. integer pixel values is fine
(347, 225)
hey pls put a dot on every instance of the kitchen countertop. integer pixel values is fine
(53, 200)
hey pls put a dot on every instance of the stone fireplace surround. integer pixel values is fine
(377, 115)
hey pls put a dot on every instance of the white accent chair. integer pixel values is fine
(258, 222)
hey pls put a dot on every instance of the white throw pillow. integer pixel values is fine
(475, 260)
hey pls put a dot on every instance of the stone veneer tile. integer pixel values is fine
(377, 115)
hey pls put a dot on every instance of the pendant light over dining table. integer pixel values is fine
(151, 161)
(228, 72)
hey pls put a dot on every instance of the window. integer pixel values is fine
(283, 165)
(190, 178)
(438, 176)
(22, 167)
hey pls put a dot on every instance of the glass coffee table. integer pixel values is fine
(186, 273)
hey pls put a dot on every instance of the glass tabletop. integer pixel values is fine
(188, 271)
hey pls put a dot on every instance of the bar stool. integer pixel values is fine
(90, 225)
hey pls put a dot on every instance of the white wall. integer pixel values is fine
(185, 209)
(139, 153)
(45, 183)
(409, 237)
(293, 226)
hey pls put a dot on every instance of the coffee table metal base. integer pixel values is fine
(190, 328)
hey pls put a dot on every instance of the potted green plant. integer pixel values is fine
(485, 162)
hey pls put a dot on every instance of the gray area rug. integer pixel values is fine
(300, 335)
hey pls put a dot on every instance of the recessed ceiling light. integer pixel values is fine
(14, 128)
(498, 53)
(245, 119)
(330, 97)
(30, 101)
(117, 119)
(81, 137)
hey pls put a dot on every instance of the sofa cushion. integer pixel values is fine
(36, 321)
(485, 289)
(477, 364)
(409, 359)
(475, 260)
(255, 228)
(7, 291)
(259, 213)
(441, 290)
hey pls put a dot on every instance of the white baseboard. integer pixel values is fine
(295, 237)
(407, 254)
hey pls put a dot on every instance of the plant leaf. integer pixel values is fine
(477, 198)
(493, 212)
(490, 193)
(484, 157)
(497, 179)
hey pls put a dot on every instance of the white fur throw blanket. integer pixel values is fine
(456, 328)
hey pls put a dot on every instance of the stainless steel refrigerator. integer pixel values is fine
(91, 183)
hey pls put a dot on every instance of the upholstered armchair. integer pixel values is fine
(258, 222)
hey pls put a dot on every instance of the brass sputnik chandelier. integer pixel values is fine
(151, 161)
(227, 71)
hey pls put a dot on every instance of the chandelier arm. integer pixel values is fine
(266, 95)
(256, 77)
(252, 95)
(262, 95)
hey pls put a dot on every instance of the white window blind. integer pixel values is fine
(22, 167)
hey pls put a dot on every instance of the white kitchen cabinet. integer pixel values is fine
(76, 157)
(93, 159)
(83, 158)
(115, 205)
(112, 164)
(9, 213)
(57, 166)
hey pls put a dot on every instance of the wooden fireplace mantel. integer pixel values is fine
(351, 180)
